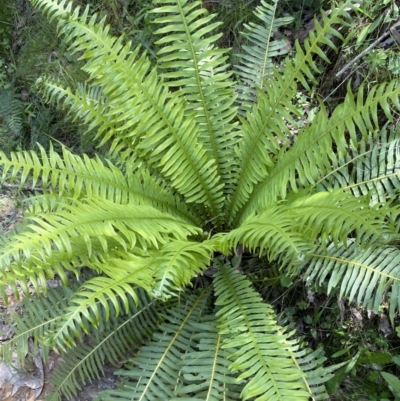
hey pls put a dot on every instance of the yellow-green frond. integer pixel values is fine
(313, 153)
(189, 60)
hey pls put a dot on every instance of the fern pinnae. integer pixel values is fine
(206, 376)
(98, 298)
(372, 168)
(40, 315)
(11, 109)
(272, 233)
(365, 274)
(114, 341)
(200, 72)
(256, 61)
(59, 264)
(155, 108)
(176, 264)
(156, 367)
(79, 176)
(267, 374)
(350, 214)
(281, 89)
(98, 219)
(302, 159)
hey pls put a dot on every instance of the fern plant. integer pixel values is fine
(189, 182)
(11, 111)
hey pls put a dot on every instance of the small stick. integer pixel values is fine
(23, 188)
(371, 46)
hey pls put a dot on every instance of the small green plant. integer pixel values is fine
(199, 171)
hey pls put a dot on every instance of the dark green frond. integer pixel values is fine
(114, 342)
(372, 168)
(11, 109)
(95, 302)
(256, 59)
(154, 372)
(205, 371)
(362, 275)
(40, 315)
(260, 350)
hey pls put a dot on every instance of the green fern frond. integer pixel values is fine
(362, 275)
(373, 168)
(76, 176)
(96, 300)
(11, 109)
(273, 233)
(34, 271)
(107, 345)
(337, 215)
(260, 349)
(312, 154)
(264, 127)
(175, 265)
(190, 61)
(154, 372)
(159, 128)
(66, 241)
(256, 59)
(94, 114)
(95, 219)
(40, 315)
(205, 371)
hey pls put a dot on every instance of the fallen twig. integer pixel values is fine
(371, 46)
